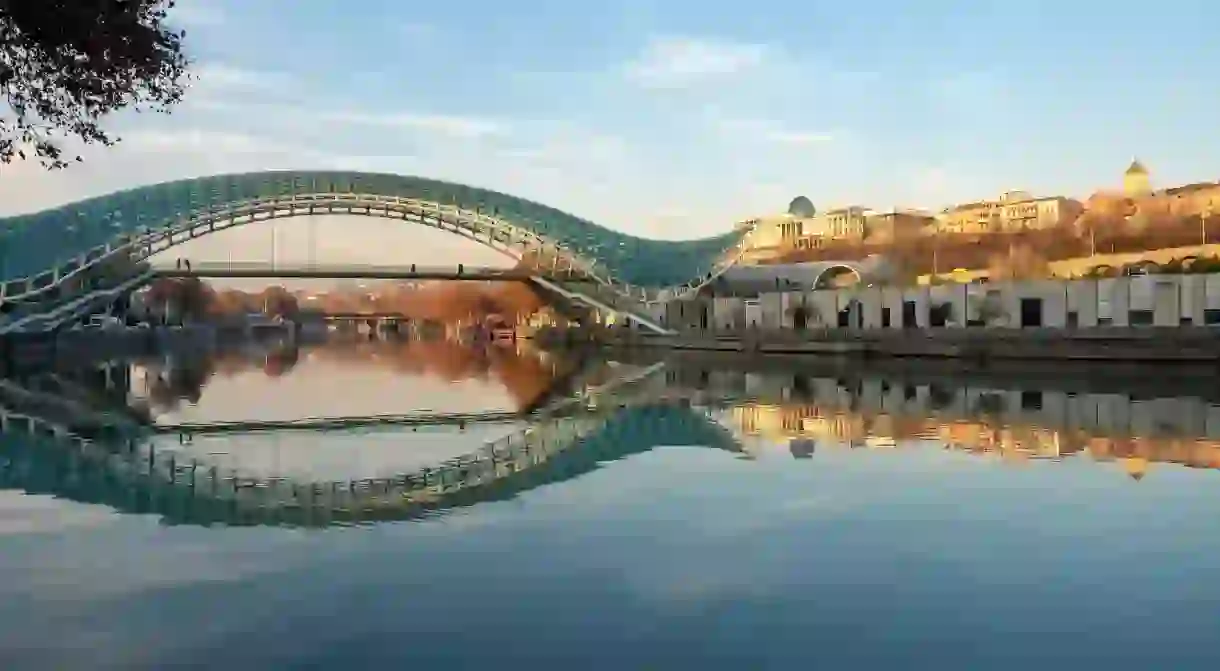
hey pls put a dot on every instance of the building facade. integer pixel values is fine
(1201, 199)
(1139, 198)
(1013, 211)
(775, 236)
(885, 227)
(844, 223)
(1029, 213)
(974, 218)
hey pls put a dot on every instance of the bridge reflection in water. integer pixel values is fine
(611, 413)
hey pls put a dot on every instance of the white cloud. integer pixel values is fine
(571, 146)
(676, 62)
(195, 140)
(218, 76)
(798, 137)
(148, 157)
(770, 131)
(196, 13)
(451, 125)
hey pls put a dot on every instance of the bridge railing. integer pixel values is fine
(405, 270)
(502, 235)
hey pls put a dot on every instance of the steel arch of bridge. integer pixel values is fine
(39, 251)
(558, 449)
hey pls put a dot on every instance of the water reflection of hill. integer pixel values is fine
(526, 375)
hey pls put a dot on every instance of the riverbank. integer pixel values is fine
(695, 368)
(1109, 344)
(25, 352)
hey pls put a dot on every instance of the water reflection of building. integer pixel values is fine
(1012, 424)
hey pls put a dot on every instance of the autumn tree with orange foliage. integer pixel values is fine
(277, 301)
(1021, 262)
(190, 297)
(233, 301)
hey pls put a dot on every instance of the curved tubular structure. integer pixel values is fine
(140, 477)
(42, 250)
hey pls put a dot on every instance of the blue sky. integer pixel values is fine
(674, 118)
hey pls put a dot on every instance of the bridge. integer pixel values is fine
(99, 247)
(323, 424)
(138, 474)
(246, 270)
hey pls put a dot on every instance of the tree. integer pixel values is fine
(1020, 262)
(989, 308)
(278, 301)
(187, 298)
(232, 302)
(66, 64)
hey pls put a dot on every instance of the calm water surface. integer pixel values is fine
(775, 519)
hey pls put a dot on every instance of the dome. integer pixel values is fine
(801, 207)
(1136, 168)
(1136, 467)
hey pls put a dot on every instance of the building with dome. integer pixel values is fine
(802, 208)
(804, 227)
(1136, 180)
(1198, 199)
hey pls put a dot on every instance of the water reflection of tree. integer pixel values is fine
(524, 375)
(169, 387)
(281, 361)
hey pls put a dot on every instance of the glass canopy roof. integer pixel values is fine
(33, 243)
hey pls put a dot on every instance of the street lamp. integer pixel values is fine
(1207, 213)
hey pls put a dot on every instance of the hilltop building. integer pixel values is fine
(1013, 211)
(805, 227)
(1138, 197)
(1136, 180)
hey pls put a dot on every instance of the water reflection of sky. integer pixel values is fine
(318, 388)
(901, 556)
(679, 558)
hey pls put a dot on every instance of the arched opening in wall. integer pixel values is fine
(1140, 268)
(852, 315)
(940, 314)
(800, 318)
(838, 277)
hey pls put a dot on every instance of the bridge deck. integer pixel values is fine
(338, 423)
(352, 271)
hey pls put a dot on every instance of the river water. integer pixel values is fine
(690, 514)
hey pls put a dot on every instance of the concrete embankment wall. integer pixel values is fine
(1099, 344)
(698, 368)
(1151, 318)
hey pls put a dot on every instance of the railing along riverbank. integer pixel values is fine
(1110, 343)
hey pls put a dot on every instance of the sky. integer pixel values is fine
(671, 118)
